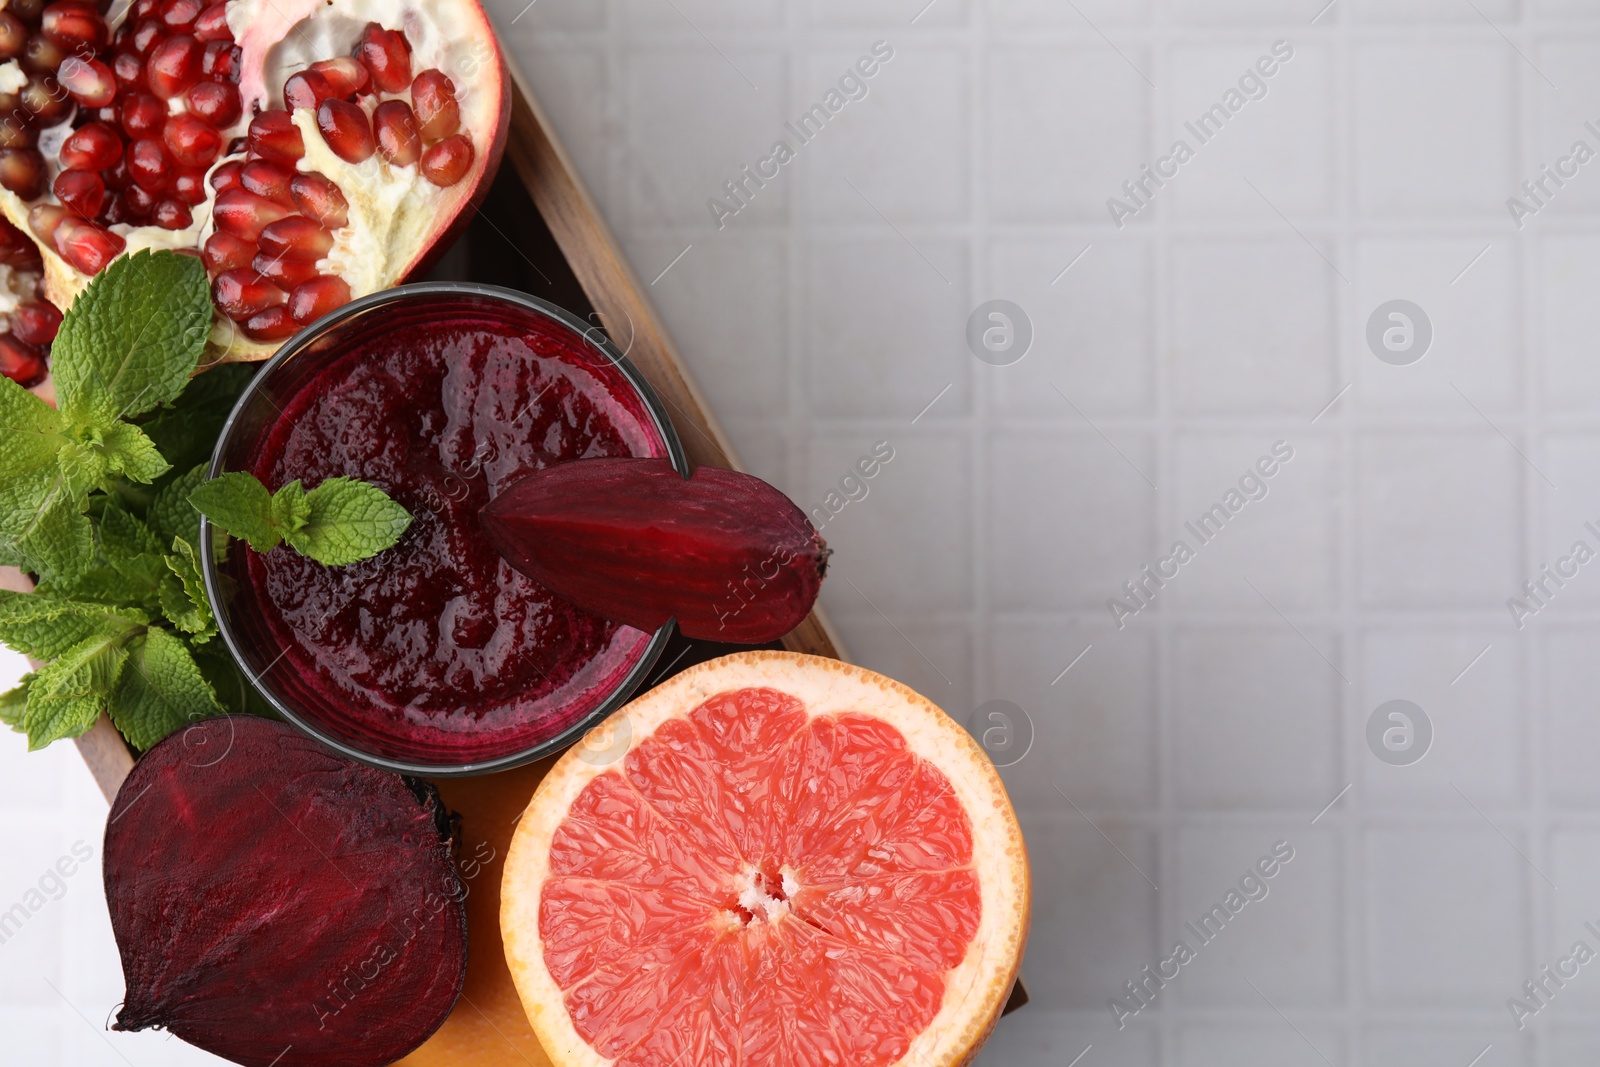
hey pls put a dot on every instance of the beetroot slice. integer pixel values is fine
(277, 904)
(725, 554)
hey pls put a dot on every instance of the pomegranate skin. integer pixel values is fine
(222, 911)
(725, 554)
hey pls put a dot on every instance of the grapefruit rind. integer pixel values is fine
(975, 990)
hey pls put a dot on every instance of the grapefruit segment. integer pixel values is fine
(796, 863)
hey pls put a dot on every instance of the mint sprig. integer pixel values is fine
(341, 521)
(126, 347)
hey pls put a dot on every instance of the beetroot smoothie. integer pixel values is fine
(437, 651)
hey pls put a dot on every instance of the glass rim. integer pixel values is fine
(592, 334)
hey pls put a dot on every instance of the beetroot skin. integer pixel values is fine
(277, 904)
(725, 554)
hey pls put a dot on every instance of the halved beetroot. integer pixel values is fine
(277, 904)
(366, 130)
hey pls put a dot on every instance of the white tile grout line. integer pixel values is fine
(1102, 833)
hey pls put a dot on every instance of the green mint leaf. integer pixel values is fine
(44, 626)
(30, 431)
(234, 691)
(132, 338)
(170, 514)
(186, 430)
(14, 703)
(183, 593)
(241, 506)
(84, 465)
(349, 521)
(161, 690)
(44, 526)
(131, 454)
(290, 509)
(131, 548)
(67, 695)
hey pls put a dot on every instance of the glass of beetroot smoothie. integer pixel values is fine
(436, 656)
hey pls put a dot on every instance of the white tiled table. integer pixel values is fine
(827, 316)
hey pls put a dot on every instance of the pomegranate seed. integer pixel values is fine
(306, 89)
(244, 214)
(21, 362)
(212, 24)
(438, 115)
(285, 273)
(122, 37)
(27, 10)
(215, 102)
(118, 177)
(191, 141)
(319, 199)
(35, 322)
(268, 180)
(147, 35)
(142, 115)
(273, 136)
(241, 293)
(180, 15)
(43, 220)
(116, 210)
(41, 54)
(173, 66)
(227, 175)
(22, 171)
(387, 54)
(223, 251)
(395, 126)
(149, 166)
(90, 81)
(17, 251)
(81, 190)
(172, 214)
(295, 237)
(86, 246)
(237, 146)
(448, 161)
(140, 202)
(128, 69)
(44, 99)
(346, 75)
(220, 62)
(313, 299)
(13, 36)
(92, 147)
(15, 134)
(273, 324)
(189, 185)
(143, 9)
(75, 27)
(345, 128)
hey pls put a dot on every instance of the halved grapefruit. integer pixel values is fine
(772, 860)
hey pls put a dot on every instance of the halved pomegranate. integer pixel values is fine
(309, 151)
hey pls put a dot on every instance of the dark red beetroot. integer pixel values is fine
(725, 554)
(277, 904)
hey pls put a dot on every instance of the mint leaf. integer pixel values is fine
(30, 431)
(161, 690)
(132, 338)
(241, 506)
(170, 514)
(66, 696)
(14, 703)
(349, 521)
(186, 430)
(131, 454)
(290, 508)
(44, 525)
(183, 593)
(131, 549)
(44, 626)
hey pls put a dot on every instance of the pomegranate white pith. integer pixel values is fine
(193, 112)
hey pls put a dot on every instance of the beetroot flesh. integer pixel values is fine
(277, 904)
(725, 554)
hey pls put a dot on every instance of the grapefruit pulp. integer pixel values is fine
(771, 860)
